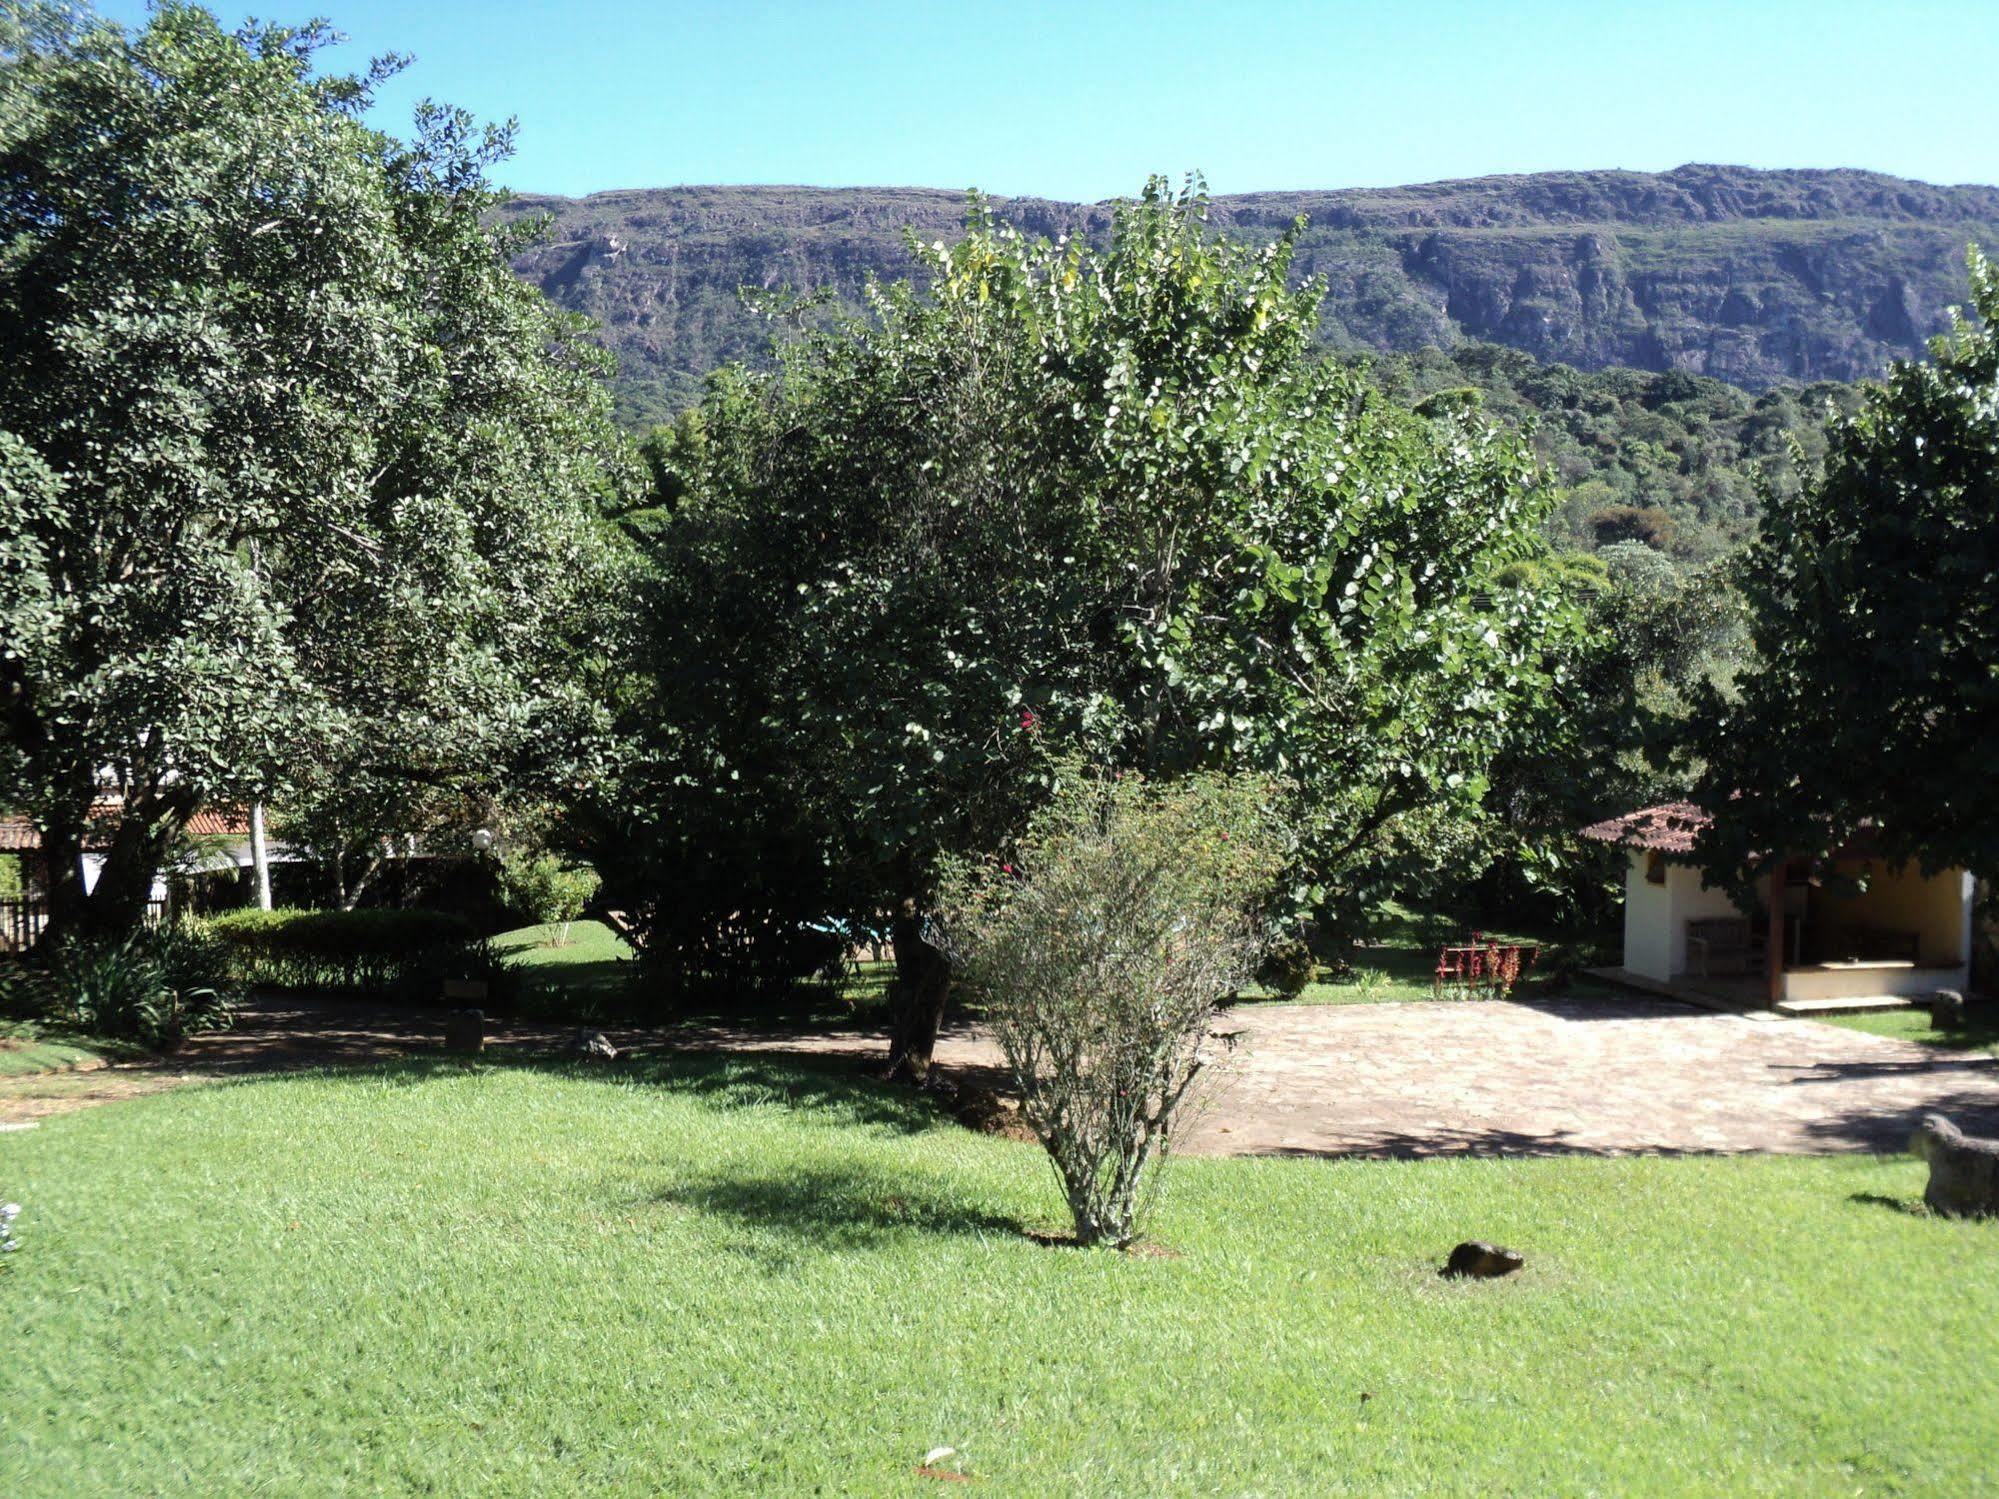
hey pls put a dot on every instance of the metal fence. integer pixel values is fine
(21, 923)
(24, 918)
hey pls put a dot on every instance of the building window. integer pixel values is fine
(1655, 867)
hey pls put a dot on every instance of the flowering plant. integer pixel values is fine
(9, 1211)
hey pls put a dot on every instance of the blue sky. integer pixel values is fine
(1080, 99)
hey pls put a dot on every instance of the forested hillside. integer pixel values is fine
(1670, 459)
(1756, 278)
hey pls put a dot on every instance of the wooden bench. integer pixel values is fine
(1720, 944)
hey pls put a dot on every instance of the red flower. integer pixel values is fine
(1029, 720)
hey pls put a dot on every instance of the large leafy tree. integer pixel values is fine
(1108, 503)
(293, 471)
(1611, 731)
(1876, 695)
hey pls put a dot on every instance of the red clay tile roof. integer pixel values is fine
(1670, 828)
(216, 822)
(18, 835)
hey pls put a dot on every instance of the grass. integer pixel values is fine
(1980, 1032)
(589, 943)
(1398, 965)
(592, 971)
(710, 1275)
(27, 1046)
(596, 973)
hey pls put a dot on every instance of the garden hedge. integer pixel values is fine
(367, 951)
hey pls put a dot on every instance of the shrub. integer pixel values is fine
(155, 987)
(1615, 523)
(544, 891)
(1099, 950)
(368, 951)
(1287, 967)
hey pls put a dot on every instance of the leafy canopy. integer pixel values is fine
(293, 471)
(1108, 502)
(1871, 601)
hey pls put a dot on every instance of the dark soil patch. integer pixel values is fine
(987, 1111)
(1142, 1249)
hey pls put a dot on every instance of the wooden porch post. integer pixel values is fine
(1779, 868)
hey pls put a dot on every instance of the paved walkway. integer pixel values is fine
(1539, 1077)
(1601, 1076)
(1546, 1077)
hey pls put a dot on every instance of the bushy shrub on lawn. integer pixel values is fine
(1099, 948)
(1287, 967)
(547, 891)
(410, 952)
(157, 987)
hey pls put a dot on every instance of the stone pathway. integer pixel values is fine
(1542, 1077)
(1536, 1077)
(1546, 1077)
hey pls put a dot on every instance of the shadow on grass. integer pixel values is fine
(1979, 1032)
(839, 1207)
(1913, 1207)
(838, 1088)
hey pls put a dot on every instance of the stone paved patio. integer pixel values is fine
(1543, 1077)
(1599, 1076)
(1539, 1077)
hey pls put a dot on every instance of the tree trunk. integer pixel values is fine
(350, 895)
(260, 858)
(117, 903)
(922, 986)
(62, 868)
(115, 906)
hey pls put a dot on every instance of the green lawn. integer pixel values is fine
(473, 1278)
(595, 973)
(1399, 962)
(587, 976)
(27, 1046)
(589, 943)
(1981, 1031)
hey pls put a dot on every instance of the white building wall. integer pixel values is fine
(1656, 917)
(1693, 900)
(1648, 922)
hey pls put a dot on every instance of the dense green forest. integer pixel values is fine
(1668, 459)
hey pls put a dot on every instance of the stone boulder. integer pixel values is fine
(1964, 1170)
(1947, 1010)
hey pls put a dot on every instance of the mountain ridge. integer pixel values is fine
(1756, 277)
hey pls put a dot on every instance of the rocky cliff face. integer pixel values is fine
(1758, 278)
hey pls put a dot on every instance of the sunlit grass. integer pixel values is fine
(1981, 1030)
(27, 1046)
(725, 1275)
